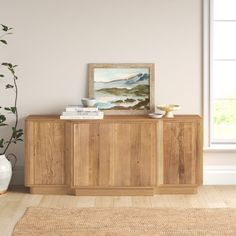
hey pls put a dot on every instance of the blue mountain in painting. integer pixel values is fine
(138, 78)
(129, 83)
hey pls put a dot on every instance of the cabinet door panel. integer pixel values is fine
(92, 154)
(47, 148)
(114, 154)
(106, 155)
(134, 154)
(81, 155)
(180, 159)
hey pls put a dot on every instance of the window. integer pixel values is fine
(222, 86)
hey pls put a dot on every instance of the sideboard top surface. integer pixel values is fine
(115, 118)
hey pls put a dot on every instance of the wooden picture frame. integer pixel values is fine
(123, 88)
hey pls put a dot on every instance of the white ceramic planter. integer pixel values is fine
(5, 173)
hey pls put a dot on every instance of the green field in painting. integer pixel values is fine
(140, 90)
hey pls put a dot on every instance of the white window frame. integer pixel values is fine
(206, 71)
(207, 80)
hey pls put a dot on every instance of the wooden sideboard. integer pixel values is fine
(119, 155)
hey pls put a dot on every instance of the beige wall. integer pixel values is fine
(55, 39)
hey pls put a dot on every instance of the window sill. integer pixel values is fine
(221, 148)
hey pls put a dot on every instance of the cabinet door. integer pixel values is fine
(134, 154)
(93, 150)
(114, 154)
(180, 152)
(45, 153)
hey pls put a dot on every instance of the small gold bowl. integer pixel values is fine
(168, 109)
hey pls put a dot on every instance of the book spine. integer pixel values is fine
(81, 117)
(71, 109)
(82, 113)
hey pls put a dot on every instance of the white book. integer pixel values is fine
(80, 108)
(82, 113)
(81, 117)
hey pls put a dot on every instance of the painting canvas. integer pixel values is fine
(123, 88)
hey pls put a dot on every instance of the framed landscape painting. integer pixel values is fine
(122, 88)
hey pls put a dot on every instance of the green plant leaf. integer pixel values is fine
(1, 75)
(11, 109)
(2, 118)
(3, 124)
(12, 71)
(3, 41)
(7, 64)
(18, 131)
(19, 135)
(8, 86)
(1, 143)
(5, 28)
(4, 64)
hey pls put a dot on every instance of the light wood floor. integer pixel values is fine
(14, 203)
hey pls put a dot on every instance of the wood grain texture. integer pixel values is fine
(199, 153)
(132, 118)
(115, 191)
(49, 189)
(106, 155)
(81, 155)
(181, 148)
(160, 155)
(131, 152)
(45, 151)
(114, 154)
(68, 152)
(177, 189)
(28, 160)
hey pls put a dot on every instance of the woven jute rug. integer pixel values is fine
(127, 222)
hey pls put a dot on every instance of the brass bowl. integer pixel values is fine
(168, 109)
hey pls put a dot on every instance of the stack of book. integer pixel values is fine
(77, 112)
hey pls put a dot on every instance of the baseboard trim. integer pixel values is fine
(115, 191)
(60, 190)
(219, 175)
(212, 175)
(177, 189)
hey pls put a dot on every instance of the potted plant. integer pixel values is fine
(10, 83)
